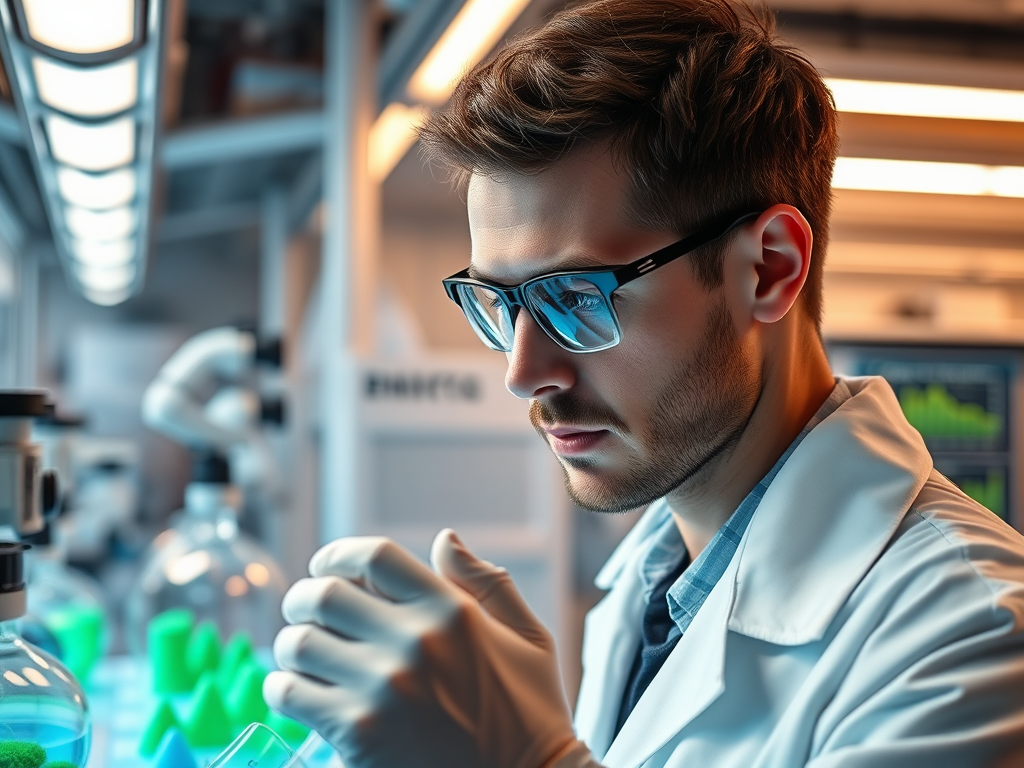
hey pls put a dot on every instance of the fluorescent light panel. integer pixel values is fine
(928, 178)
(87, 91)
(115, 224)
(97, 191)
(97, 147)
(104, 280)
(107, 298)
(917, 100)
(81, 26)
(391, 136)
(474, 31)
(110, 253)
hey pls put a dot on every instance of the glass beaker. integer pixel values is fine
(209, 567)
(259, 747)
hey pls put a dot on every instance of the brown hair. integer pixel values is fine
(711, 116)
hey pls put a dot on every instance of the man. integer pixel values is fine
(648, 194)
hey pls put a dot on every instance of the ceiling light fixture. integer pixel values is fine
(107, 298)
(78, 27)
(97, 191)
(474, 31)
(391, 136)
(919, 100)
(87, 91)
(928, 178)
(108, 279)
(115, 224)
(110, 253)
(98, 147)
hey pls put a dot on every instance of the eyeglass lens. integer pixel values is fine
(575, 310)
(488, 315)
(572, 309)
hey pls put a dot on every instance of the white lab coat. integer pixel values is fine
(872, 617)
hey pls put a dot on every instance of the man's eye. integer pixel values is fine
(579, 301)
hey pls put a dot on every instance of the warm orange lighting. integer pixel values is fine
(257, 574)
(236, 586)
(474, 31)
(391, 137)
(928, 178)
(918, 100)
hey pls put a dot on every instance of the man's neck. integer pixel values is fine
(796, 384)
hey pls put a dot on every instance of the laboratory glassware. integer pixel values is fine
(207, 565)
(260, 747)
(44, 715)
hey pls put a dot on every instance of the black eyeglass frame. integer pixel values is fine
(606, 280)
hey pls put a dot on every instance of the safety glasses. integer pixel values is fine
(574, 306)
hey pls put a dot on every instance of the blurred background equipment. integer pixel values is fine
(204, 563)
(169, 167)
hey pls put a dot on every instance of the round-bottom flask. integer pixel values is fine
(44, 717)
(70, 606)
(206, 565)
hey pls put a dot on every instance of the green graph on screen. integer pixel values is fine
(990, 493)
(934, 412)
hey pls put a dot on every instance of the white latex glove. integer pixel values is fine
(399, 666)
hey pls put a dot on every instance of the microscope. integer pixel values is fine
(29, 494)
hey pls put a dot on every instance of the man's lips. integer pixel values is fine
(572, 441)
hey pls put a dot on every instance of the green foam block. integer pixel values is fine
(237, 653)
(245, 699)
(21, 754)
(293, 732)
(161, 721)
(169, 635)
(208, 723)
(204, 650)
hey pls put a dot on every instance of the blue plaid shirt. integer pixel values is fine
(691, 589)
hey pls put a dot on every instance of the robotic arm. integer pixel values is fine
(172, 403)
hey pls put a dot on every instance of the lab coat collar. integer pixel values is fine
(824, 520)
(827, 516)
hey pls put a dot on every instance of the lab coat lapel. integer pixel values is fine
(691, 679)
(827, 516)
(612, 635)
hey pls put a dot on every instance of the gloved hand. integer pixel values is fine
(396, 665)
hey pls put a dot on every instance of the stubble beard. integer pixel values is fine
(696, 418)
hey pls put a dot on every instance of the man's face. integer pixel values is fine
(631, 423)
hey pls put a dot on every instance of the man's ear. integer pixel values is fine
(781, 262)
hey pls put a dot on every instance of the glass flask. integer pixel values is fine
(44, 716)
(70, 606)
(206, 565)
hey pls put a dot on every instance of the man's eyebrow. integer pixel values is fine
(569, 262)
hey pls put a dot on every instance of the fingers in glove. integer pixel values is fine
(489, 584)
(314, 704)
(341, 606)
(380, 564)
(315, 652)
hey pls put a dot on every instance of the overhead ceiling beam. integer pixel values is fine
(242, 139)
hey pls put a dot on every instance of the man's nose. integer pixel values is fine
(537, 365)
